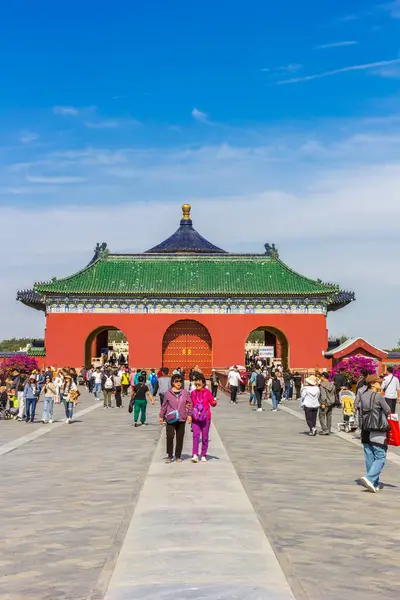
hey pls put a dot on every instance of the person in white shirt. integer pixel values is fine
(234, 381)
(96, 377)
(310, 402)
(391, 387)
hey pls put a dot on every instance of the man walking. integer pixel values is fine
(259, 389)
(234, 381)
(214, 382)
(391, 387)
(327, 401)
(164, 383)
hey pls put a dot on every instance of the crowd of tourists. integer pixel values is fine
(367, 408)
(21, 391)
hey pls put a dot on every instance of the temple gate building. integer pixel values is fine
(186, 302)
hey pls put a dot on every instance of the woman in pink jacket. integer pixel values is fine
(202, 400)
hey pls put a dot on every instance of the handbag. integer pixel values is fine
(373, 420)
(172, 417)
(131, 404)
(394, 431)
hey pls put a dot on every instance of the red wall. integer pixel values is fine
(66, 335)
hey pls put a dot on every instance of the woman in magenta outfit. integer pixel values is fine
(202, 400)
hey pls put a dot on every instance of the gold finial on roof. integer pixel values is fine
(186, 211)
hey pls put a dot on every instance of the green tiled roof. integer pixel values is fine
(190, 275)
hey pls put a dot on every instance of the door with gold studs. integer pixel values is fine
(185, 344)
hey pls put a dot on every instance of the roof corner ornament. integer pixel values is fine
(271, 250)
(186, 208)
(101, 250)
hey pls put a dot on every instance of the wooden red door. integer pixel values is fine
(185, 344)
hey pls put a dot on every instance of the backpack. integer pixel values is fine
(153, 379)
(109, 384)
(199, 412)
(276, 385)
(260, 381)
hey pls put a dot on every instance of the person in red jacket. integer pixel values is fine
(202, 400)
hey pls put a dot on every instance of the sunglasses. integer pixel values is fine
(198, 383)
(178, 381)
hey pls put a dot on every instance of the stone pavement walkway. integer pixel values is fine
(330, 535)
(66, 500)
(90, 511)
(194, 534)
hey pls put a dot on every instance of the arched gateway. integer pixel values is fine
(187, 343)
(187, 285)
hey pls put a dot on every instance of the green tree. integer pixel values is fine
(14, 344)
(256, 337)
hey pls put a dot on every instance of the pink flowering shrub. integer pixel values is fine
(353, 365)
(396, 371)
(17, 361)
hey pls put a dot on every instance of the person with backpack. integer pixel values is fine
(202, 400)
(139, 395)
(259, 388)
(176, 410)
(327, 401)
(276, 391)
(373, 418)
(108, 387)
(152, 382)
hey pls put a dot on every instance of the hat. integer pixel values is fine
(212, 369)
(373, 379)
(68, 376)
(312, 380)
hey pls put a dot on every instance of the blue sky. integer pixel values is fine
(283, 113)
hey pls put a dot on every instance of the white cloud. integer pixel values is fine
(198, 115)
(336, 45)
(393, 8)
(55, 180)
(66, 111)
(333, 207)
(101, 124)
(28, 136)
(363, 67)
(391, 72)
(290, 68)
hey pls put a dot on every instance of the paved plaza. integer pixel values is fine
(90, 511)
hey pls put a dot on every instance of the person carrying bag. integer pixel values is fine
(374, 412)
(176, 409)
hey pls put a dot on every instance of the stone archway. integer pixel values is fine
(94, 336)
(276, 338)
(187, 343)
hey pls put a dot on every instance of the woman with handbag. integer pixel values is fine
(70, 395)
(373, 413)
(176, 410)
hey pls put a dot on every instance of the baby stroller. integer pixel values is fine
(5, 413)
(349, 424)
